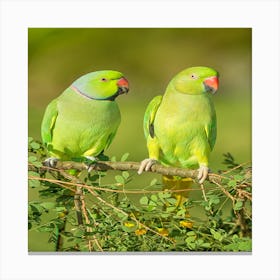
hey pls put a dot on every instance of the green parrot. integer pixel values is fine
(180, 126)
(83, 120)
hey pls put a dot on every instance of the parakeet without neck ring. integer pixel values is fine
(83, 120)
(180, 126)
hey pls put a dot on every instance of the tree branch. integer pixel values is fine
(129, 165)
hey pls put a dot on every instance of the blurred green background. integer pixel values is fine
(149, 58)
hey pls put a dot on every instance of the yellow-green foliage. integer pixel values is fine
(114, 217)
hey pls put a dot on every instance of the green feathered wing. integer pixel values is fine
(149, 116)
(48, 122)
(211, 131)
(149, 130)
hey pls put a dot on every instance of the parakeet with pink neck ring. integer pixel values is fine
(83, 120)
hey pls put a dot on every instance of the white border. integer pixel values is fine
(262, 16)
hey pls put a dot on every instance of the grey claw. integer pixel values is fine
(92, 158)
(146, 165)
(90, 167)
(202, 173)
(51, 162)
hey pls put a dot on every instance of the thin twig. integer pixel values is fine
(116, 191)
(235, 167)
(77, 197)
(125, 214)
(89, 229)
(204, 196)
(203, 192)
(80, 206)
(225, 191)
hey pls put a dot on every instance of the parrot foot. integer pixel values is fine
(92, 158)
(202, 173)
(90, 166)
(146, 165)
(51, 162)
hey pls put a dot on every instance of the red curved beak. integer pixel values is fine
(123, 84)
(211, 84)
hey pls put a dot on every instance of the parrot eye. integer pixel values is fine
(104, 80)
(193, 76)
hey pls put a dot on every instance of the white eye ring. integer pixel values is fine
(104, 80)
(193, 76)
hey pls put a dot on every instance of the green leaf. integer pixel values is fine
(124, 157)
(144, 200)
(79, 232)
(199, 242)
(125, 174)
(73, 172)
(164, 215)
(152, 203)
(33, 174)
(245, 246)
(171, 200)
(48, 228)
(217, 235)
(48, 205)
(32, 158)
(35, 145)
(33, 183)
(181, 213)
(171, 208)
(93, 178)
(154, 197)
(239, 244)
(34, 207)
(231, 183)
(191, 245)
(212, 231)
(30, 139)
(238, 177)
(120, 179)
(206, 245)
(60, 208)
(214, 199)
(163, 195)
(153, 182)
(37, 164)
(122, 216)
(190, 239)
(113, 159)
(67, 234)
(151, 207)
(238, 205)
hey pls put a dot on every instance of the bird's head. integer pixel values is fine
(101, 85)
(196, 80)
